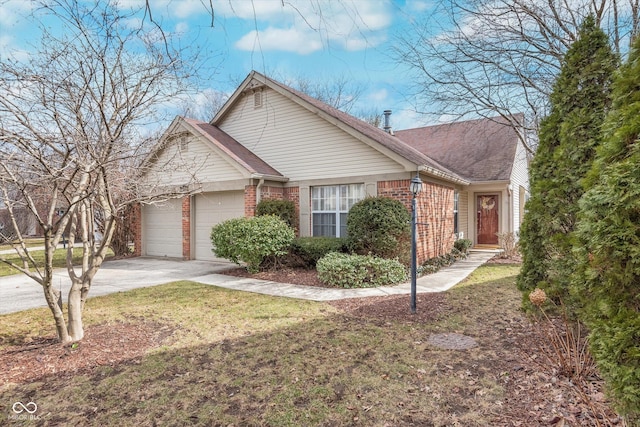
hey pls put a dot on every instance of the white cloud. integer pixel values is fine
(288, 40)
(379, 95)
(304, 26)
(13, 11)
(182, 27)
(418, 6)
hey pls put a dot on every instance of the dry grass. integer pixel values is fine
(249, 360)
(59, 260)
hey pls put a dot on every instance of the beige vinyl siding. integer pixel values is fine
(300, 144)
(463, 214)
(177, 165)
(519, 178)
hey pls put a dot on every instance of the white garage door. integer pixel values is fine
(162, 229)
(212, 209)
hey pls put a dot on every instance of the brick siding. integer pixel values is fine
(186, 227)
(136, 229)
(434, 217)
(250, 200)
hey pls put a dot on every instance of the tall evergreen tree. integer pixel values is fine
(568, 140)
(608, 245)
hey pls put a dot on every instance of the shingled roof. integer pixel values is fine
(233, 148)
(477, 150)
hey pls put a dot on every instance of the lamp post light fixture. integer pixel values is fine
(415, 188)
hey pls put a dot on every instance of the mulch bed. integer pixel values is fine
(108, 344)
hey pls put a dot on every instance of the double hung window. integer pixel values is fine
(330, 205)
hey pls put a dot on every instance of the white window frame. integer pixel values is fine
(336, 204)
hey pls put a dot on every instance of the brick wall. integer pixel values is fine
(435, 209)
(282, 193)
(250, 200)
(434, 216)
(186, 227)
(272, 193)
(136, 229)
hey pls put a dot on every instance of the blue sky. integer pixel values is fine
(313, 39)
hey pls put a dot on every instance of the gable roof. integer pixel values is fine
(478, 150)
(371, 135)
(238, 152)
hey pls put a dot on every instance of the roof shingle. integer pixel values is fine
(233, 148)
(477, 150)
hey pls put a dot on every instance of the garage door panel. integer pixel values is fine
(162, 229)
(212, 209)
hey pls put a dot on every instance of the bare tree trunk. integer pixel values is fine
(74, 311)
(52, 295)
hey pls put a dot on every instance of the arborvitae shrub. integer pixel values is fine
(568, 139)
(607, 280)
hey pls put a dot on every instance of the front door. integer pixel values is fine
(487, 219)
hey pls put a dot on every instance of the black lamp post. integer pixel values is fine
(415, 187)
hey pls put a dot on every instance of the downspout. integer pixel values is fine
(258, 187)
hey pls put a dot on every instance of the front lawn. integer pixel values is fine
(189, 354)
(59, 260)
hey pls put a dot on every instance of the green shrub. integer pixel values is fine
(463, 245)
(380, 226)
(250, 240)
(308, 250)
(359, 271)
(284, 209)
(607, 280)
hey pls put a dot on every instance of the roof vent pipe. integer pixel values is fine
(387, 126)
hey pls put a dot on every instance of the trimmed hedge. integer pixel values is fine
(284, 209)
(251, 240)
(308, 250)
(380, 226)
(359, 271)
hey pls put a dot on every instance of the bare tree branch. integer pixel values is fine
(71, 149)
(500, 58)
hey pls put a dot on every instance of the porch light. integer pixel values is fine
(415, 187)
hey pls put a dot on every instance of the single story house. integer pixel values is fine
(270, 141)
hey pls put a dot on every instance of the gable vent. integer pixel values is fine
(257, 99)
(184, 143)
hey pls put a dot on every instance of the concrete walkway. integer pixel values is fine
(444, 279)
(21, 293)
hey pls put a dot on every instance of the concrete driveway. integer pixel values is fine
(21, 293)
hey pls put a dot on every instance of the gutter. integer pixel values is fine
(440, 174)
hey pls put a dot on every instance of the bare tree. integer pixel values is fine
(70, 144)
(338, 91)
(204, 105)
(500, 57)
(371, 115)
